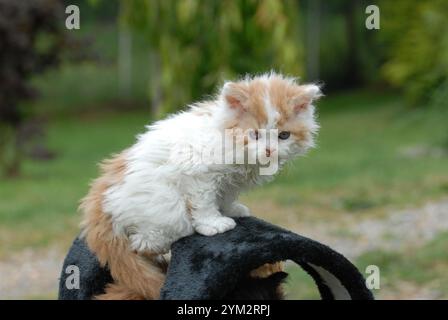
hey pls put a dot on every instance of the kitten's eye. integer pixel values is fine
(253, 134)
(284, 135)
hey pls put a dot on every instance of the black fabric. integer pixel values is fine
(217, 267)
(249, 288)
(207, 267)
(93, 278)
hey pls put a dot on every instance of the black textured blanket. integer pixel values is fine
(217, 267)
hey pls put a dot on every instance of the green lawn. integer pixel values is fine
(40, 207)
(358, 167)
(362, 166)
(373, 154)
(425, 267)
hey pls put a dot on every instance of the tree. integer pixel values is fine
(313, 39)
(31, 41)
(416, 35)
(339, 48)
(198, 43)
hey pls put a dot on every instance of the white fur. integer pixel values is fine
(150, 205)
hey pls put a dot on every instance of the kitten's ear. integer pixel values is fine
(308, 94)
(235, 95)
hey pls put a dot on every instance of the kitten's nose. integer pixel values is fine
(269, 152)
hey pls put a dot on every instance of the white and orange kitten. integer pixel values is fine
(159, 190)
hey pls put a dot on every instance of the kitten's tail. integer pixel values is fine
(134, 274)
(141, 275)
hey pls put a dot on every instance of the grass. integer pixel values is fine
(424, 267)
(300, 285)
(80, 102)
(360, 165)
(401, 273)
(357, 168)
(374, 154)
(40, 207)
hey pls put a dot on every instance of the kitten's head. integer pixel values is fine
(275, 106)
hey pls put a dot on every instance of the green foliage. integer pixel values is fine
(425, 265)
(31, 42)
(198, 43)
(416, 35)
(93, 84)
(349, 55)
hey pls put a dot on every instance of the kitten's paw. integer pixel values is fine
(213, 225)
(237, 210)
(142, 242)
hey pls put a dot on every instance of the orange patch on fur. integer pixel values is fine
(300, 134)
(137, 273)
(289, 99)
(266, 270)
(286, 97)
(119, 292)
(257, 93)
(298, 130)
(248, 98)
(190, 207)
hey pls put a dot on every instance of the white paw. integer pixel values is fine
(213, 225)
(237, 210)
(155, 243)
(140, 242)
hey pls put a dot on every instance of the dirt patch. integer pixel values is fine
(31, 274)
(398, 231)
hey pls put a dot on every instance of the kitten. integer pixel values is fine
(158, 190)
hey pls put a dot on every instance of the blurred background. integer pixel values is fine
(375, 188)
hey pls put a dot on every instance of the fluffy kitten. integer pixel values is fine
(158, 190)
